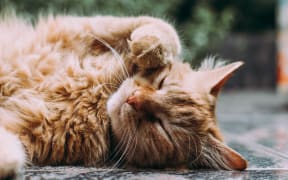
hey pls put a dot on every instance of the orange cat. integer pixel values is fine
(104, 91)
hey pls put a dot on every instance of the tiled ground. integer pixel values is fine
(254, 123)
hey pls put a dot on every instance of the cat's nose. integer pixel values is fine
(134, 100)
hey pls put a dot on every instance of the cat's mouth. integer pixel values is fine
(126, 109)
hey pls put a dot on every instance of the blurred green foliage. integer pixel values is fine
(200, 23)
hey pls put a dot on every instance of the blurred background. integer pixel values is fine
(233, 30)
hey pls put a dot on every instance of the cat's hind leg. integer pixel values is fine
(12, 154)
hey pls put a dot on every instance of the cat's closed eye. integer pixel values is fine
(161, 82)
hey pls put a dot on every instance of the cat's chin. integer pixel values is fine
(120, 112)
(117, 103)
(127, 112)
(126, 116)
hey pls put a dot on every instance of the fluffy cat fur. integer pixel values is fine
(102, 91)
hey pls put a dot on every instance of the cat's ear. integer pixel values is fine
(215, 79)
(219, 156)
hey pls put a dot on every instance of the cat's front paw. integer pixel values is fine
(12, 154)
(147, 52)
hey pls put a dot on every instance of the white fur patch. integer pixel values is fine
(12, 155)
(211, 62)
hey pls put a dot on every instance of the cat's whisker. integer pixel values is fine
(116, 55)
(118, 79)
(110, 85)
(196, 145)
(113, 82)
(189, 145)
(134, 143)
(117, 150)
(132, 139)
(197, 152)
(119, 161)
(119, 147)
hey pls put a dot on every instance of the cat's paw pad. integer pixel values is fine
(147, 52)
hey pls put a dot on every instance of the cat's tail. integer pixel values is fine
(12, 154)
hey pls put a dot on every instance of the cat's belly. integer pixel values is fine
(68, 132)
(78, 141)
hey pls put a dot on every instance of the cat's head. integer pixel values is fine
(167, 119)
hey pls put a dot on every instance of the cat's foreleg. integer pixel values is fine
(12, 154)
(154, 44)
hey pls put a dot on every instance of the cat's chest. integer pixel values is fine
(73, 132)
